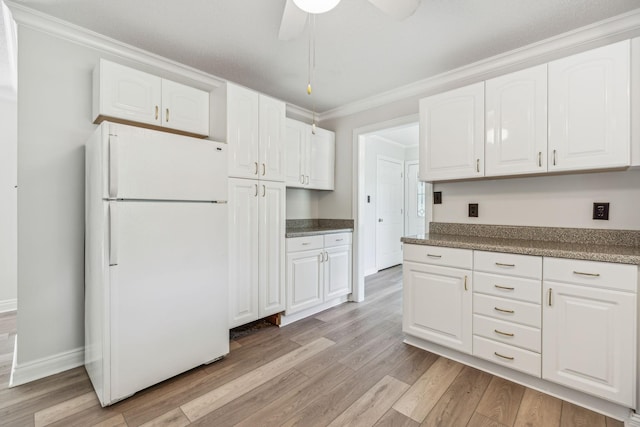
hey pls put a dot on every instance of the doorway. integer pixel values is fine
(392, 200)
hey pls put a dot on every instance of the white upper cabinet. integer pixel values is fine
(131, 96)
(322, 160)
(589, 118)
(452, 134)
(516, 123)
(272, 139)
(297, 147)
(185, 108)
(310, 157)
(255, 134)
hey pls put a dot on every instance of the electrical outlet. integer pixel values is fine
(473, 210)
(601, 210)
(437, 197)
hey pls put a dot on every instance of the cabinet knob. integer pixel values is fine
(157, 111)
(166, 116)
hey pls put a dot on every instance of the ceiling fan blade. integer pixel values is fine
(398, 9)
(293, 21)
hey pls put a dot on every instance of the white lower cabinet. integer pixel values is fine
(256, 250)
(437, 299)
(589, 337)
(572, 322)
(318, 270)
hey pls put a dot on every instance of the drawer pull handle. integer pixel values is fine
(502, 310)
(550, 291)
(507, 288)
(500, 264)
(434, 256)
(586, 274)
(306, 243)
(506, 334)
(465, 283)
(339, 240)
(504, 357)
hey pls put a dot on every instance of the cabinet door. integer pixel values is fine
(452, 134)
(516, 119)
(437, 305)
(127, 94)
(242, 132)
(304, 280)
(243, 251)
(322, 160)
(589, 340)
(337, 277)
(185, 108)
(297, 138)
(272, 139)
(272, 247)
(589, 116)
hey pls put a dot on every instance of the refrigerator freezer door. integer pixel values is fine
(143, 164)
(168, 292)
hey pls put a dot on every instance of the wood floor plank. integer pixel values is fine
(174, 418)
(367, 352)
(297, 398)
(501, 401)
(209, 402)
(393, 418)
(416, 364)
(325, 407)
(238, 409)
(576, 416)
(614, 423)
(234, 345)
(538, 409)
(451, 410)
(367, 410)
(423, 395)
(115, 421)
(62, 410)
(479, 420)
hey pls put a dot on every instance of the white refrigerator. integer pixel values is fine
(155, 257)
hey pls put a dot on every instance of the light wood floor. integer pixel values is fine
(345, 366)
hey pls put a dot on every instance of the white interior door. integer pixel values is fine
(416, 199)
(390, 212)
(168, 290)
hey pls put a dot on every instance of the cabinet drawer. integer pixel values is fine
(505, 309)
(511, 264)
(529, 290)
(621, 277)
(508, 332)
(337, 239)
(508, 355)
(436, 255)
(305, 243)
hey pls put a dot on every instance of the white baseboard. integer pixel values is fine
(8, 305)
(290, 318)
(40, 368)
(633, 421)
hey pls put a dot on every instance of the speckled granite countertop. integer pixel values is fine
(309, 227)
(588, 244)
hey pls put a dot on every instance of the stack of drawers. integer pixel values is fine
(507, 312)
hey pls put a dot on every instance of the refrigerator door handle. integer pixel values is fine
(113, 166)
(113, 234)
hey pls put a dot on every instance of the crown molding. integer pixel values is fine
(597, 34)
(37, 20)
(299, 113)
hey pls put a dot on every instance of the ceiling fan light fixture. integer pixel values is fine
(316, 6)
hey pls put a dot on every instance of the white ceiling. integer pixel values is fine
(360, 51)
